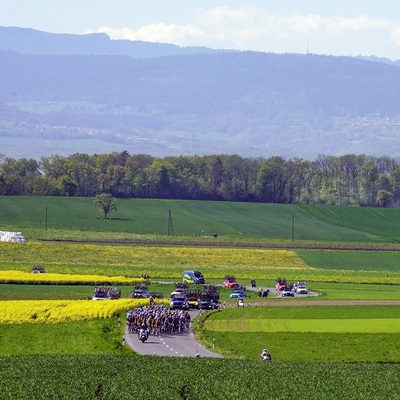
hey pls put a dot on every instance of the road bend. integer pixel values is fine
(182, 344)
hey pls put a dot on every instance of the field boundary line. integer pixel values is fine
(291, 246)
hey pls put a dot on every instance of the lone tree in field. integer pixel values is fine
(106, 203)
(384, 197)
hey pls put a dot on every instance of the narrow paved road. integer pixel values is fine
(179, 345)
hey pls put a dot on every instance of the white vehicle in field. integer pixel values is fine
(300, 288)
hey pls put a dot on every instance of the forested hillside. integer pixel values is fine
(345, 180)
(246, 103)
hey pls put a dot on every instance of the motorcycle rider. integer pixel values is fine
(143, 331)
(265, 355)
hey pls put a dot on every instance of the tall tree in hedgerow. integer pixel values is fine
(106, 203)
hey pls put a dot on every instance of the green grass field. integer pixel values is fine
(91, 337)
(325, 352)
(318, 333)
(351, 260)
(231, 221)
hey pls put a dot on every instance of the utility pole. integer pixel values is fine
(170, 228)
(292, 227)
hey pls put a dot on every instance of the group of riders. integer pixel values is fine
(157, 319)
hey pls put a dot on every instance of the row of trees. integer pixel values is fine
(345, 180)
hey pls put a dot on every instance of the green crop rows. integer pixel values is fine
(133, 377)
(318, 333)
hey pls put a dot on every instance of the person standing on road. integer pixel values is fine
(260, 291)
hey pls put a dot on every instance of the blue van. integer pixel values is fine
(193, 276)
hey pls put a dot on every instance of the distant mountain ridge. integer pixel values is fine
(31, 41)
(247, 103)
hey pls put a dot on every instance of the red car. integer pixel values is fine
(230, 282)
(281, 284)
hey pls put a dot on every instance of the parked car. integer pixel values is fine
(179, 302)
(238, 292)
(287, 293)
(281, 284)
(230, 282)
(139, 294)
(301, 289)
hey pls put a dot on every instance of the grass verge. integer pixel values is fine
(89, 337)
(323, 333)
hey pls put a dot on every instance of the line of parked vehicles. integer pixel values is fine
(197, 296)
(193, 293)
(290, 290)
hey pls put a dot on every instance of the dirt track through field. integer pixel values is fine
(231, 244)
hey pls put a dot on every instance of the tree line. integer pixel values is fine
(343, 180)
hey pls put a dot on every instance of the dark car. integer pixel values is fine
(206, 304)
(287, 293)
(139, 294)
(179, 302)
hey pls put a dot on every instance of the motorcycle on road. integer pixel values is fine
(143, 335)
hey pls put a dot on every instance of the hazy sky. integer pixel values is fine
(338, 27)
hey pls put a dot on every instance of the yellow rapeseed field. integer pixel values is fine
(162, 262)
(66, 279)
(62, 311)
(88, 258)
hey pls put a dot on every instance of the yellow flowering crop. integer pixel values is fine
(66, 279)
(61, 311)
(134, 260)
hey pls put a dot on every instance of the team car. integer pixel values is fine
(206, 304)
(287, 293)
(300, 288)
(179, 302)
(230, 282)
(281, 284)
(238, 292)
